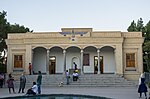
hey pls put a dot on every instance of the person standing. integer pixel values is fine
(75, 66)
(10, 83)
(142, 86)
(67, 77)
(22, 83)
(1, 80)
(39, 82)
(30, 68)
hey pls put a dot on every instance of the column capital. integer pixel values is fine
(64, 50)
(98, 50)
(81, 51)
(32, 51)
(47, 50)
(115, 50)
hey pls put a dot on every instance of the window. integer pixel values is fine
(130, 60)
(86, 59)
(18, 61)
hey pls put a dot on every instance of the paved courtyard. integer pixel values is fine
(109, 92)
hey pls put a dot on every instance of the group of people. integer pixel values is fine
(75, 75)
(35, 89)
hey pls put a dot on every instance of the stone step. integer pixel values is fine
(101, 80)
(85, 85)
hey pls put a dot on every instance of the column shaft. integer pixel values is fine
(82, 68)
(64, 58)
(119, 61)
(47, 62)
(98, 54)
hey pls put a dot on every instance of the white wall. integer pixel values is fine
(39, 60)
(108, 60)
(90, 69)
(59, 60)
(69, 57)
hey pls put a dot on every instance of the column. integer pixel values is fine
(81, 64)
(140, 59)
(98, 54)
(115, 61)
(28, 58)
(32, 56)
(47, 62)
(32, 53)
(119, 59)
(64, 58)
(9, 62)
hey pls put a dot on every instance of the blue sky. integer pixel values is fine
(52, 15)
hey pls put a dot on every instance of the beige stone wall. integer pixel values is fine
(132, 76)
(122, 42)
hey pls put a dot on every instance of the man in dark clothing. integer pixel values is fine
(39, 82)
(30, 69)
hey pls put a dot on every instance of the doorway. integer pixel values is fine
(96, 65)
(76, 60)
(52, 64)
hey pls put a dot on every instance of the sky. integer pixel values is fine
(52, 15)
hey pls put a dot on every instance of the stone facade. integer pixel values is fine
(70, 45)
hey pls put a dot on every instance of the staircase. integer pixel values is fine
(86, 80)
(104, 80)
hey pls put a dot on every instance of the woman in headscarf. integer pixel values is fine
(10, 83)
(142, 86)
(22, 83)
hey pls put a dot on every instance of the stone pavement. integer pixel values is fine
(109, 92)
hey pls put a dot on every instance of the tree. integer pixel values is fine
(18, 29)
(132, 27)
(140, 25)
(147, 33)
(5, 28)
(146, 46)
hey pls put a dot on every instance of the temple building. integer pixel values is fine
(93, 52)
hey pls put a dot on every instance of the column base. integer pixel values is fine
(47, 72)
(99, 72)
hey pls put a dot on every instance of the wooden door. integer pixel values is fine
(101, 65)
(52, 65)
